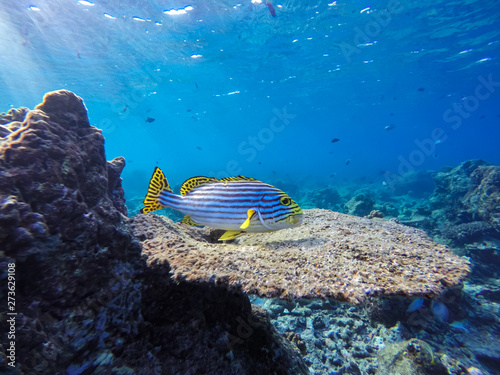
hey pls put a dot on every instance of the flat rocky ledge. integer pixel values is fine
(332, 255)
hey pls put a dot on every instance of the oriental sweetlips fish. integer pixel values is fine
(237, 204)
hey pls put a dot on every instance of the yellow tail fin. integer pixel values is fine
(157, 184)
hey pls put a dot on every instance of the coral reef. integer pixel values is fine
(331, 255)
(62, 225)
(417, 184)
(359, 205)
(85, 300)
(483, 199)
(468, 232)
(339, 338)
(465, 204)
(412, 357)
(327, 197)
(333, 337)
(203, 329)
(466, 194)
(375, 213)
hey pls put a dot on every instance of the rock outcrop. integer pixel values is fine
(467, 201)
(61, 224)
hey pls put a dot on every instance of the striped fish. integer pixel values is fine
(236, 204)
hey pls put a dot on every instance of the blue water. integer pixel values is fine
(229, 89)
(223, 73)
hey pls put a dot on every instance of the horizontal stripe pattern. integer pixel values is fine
(225, 205)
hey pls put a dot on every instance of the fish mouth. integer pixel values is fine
(295, 219)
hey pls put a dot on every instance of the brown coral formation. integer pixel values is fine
(331, 255)
(62, 225)
(484, 197)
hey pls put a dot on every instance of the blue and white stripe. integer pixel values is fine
(225, 205)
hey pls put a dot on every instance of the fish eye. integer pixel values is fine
(285, 201)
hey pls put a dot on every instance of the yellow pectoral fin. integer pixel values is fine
(230, 235)
(246, 223)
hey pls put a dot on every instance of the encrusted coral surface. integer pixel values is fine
(62, 224)
(330, 255)
(484, 198)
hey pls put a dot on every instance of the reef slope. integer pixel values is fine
(331, 255)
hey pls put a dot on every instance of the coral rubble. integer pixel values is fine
(331, 255)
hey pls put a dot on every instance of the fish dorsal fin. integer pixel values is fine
(188, 221)
(194, 182)
(237, 178)
(230, 235)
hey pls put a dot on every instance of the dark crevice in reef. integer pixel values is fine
(491, 363)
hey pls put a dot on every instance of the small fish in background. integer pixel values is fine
(272, 11)
(125, 108)
(198, 147)
(149, 120)
(435, 155)
(389, 127)
(333, 175)
(196, 85)
(78, 54)
(335, 140)
(421, 89)
(347, 162)
(415, 305)
(460, 326)
(440, 311)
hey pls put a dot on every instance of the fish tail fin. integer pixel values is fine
(157, 185)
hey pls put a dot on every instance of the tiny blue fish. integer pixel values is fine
(460, 326)
(440, 311)
(415, 305)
